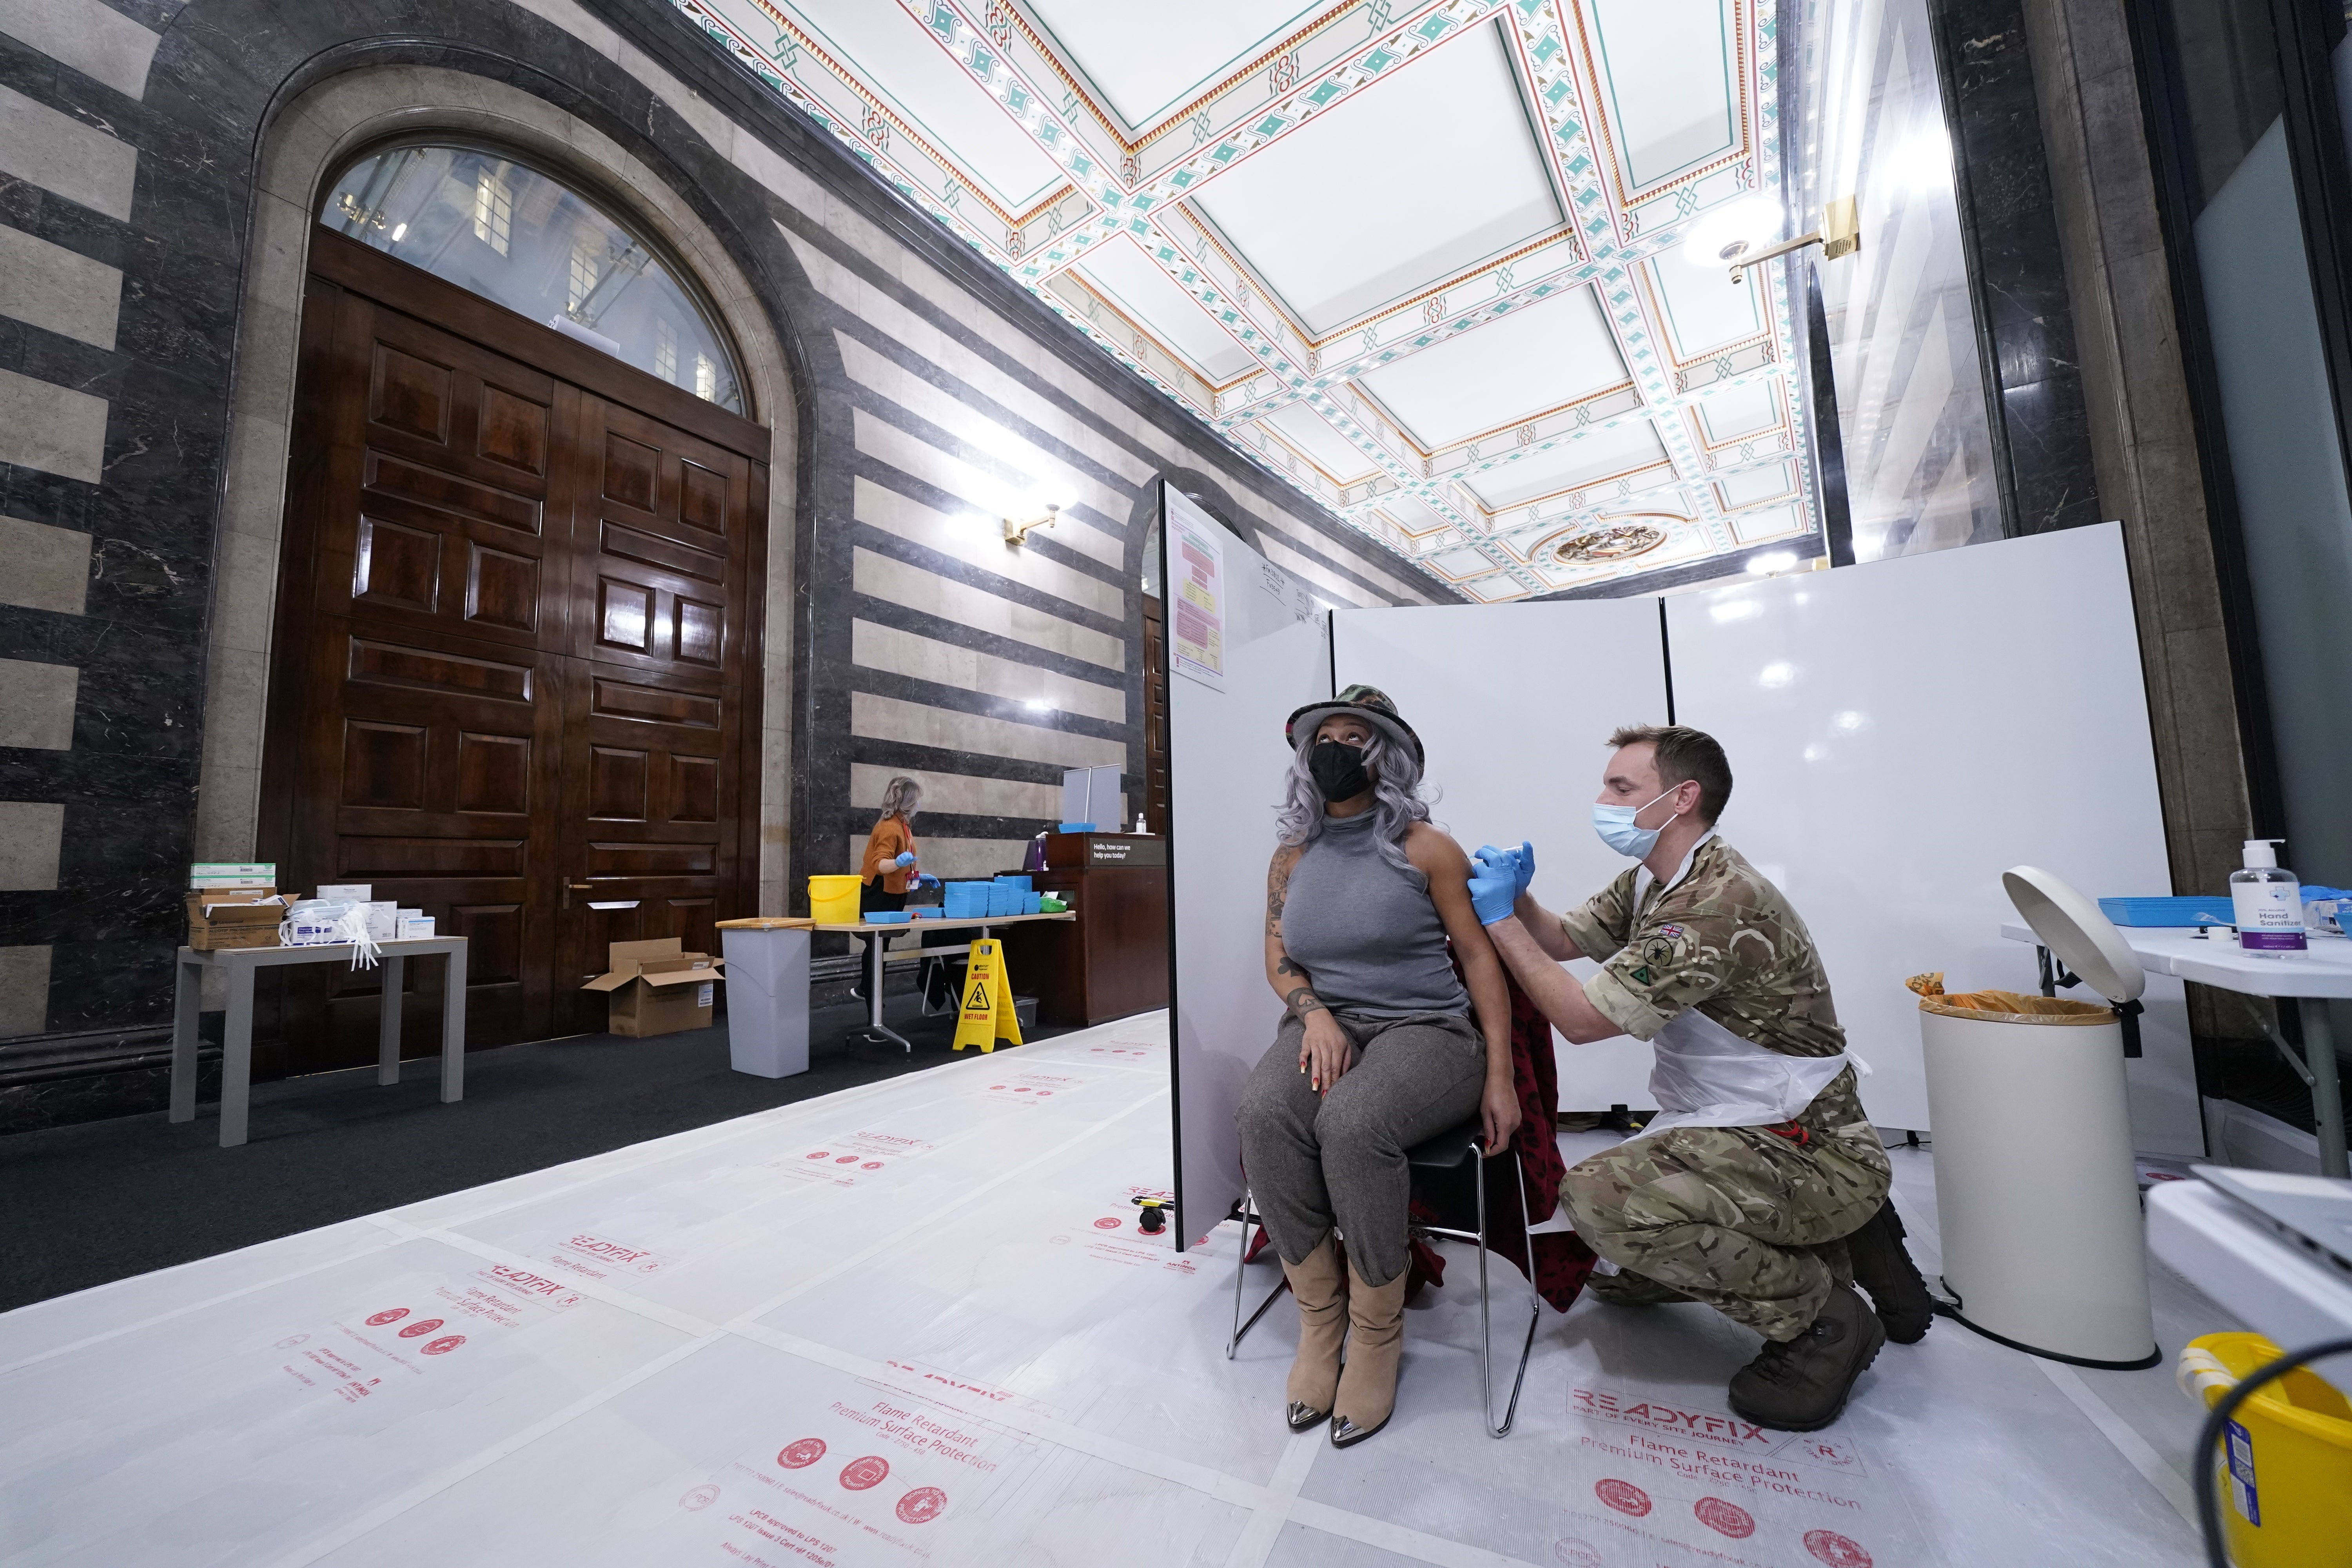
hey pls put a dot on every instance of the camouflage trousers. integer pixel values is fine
(1746, 1221)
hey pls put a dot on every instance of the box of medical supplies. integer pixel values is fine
(658, 987)
(261, 876)
(222, 919)
(413, 926)
(2170, 911)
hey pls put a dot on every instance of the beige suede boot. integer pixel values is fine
(1367, 1383)
(1320, 1286)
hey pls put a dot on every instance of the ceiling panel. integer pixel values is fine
(1145, 67)
(1524, 363)
(938, 102)
(1704, 308)
(1445, 266)
(1598, 456)
(1740, 411)
(1757, 485)
(1671, 70)
(1122, 273)
(1398, 187)
(1308, 431)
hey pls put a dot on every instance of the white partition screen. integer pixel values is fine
(1901, 734)
(1225, 765)
(1513, 704)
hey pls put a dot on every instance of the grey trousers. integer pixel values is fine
(1316, 1160)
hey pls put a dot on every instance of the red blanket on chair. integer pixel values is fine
(1562, 1261)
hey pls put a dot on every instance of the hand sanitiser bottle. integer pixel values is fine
(2269, 903)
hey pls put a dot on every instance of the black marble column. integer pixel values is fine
(2025, 331)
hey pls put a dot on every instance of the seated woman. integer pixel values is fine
(1377, 1050)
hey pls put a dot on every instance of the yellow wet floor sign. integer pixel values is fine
(987, 1015)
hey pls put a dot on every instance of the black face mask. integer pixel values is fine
(1338, 769)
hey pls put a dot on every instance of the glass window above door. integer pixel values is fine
(512, 234)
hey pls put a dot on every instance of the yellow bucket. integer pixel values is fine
(2286, 1498)
(832, 901)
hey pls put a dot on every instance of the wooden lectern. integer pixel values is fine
(1113, 960)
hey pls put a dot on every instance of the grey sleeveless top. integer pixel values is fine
(1367, 933)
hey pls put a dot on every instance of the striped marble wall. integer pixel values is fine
(988, 670)
(87, 698)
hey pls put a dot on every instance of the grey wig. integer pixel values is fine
(902, 799)
(1396, 799)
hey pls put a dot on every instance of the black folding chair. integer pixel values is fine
(1439, 1163)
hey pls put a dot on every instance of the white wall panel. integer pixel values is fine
(1513, 704)
(1226, 760)
(1902, 732)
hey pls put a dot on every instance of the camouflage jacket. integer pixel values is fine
(1722, 940)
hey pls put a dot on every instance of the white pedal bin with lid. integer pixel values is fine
(2037, 1197)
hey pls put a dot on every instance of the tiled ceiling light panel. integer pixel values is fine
(1443, 266)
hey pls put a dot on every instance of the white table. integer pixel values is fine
(875, 1032)
(237, 966)
(2312, 979)
(2283, 1292)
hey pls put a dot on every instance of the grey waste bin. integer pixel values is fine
(767, 996)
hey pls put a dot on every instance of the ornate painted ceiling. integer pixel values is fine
(1450, 267)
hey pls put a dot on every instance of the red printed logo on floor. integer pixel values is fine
(445, 1344)
(1108, 1224)
(381, 1319)
(1835, 1550)
(871, 1165)
(422, 1326)
(1622, 1495)
(800, 1456)
(1724, 1518)
(922, 1505)
(859, 1474)
(821, 1154)
(846, 1160)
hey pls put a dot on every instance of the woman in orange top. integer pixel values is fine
(889, 869)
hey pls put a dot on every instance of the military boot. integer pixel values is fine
(1319, 1284)
(1883, 1268)
(1367, 1396)
(1800, 1384)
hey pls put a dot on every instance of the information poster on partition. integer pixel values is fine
(1197, 587)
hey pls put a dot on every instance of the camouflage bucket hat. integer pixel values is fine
(1368, 702)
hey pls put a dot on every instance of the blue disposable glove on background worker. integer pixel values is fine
(905, 858)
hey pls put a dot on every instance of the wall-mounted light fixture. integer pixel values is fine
(1840, 235)
(1040, 512)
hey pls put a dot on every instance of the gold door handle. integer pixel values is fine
(571, 888)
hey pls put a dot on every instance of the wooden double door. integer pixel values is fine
(514, 678)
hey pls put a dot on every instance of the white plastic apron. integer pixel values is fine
(1706, 1076)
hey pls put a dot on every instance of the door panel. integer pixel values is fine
(509, 676)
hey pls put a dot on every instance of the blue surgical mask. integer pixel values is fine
(1615, 825)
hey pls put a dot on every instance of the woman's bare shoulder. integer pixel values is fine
(1432, 848)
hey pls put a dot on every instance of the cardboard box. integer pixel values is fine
(657, 988)
(224, 918)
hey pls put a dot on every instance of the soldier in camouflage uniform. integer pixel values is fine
(1751, 1219)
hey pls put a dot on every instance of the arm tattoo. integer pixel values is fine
(1286, 965)
(1277, 885)
(1304, 1001)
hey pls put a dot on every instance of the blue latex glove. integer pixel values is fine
(925, 879)
(1494, 890)
(905, 860)
(1521, 862)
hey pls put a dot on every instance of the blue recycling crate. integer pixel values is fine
(2170, 911)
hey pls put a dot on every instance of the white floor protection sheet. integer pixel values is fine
(918, 1323)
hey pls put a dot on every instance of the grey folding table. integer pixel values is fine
(237, 966)
(876, 1032)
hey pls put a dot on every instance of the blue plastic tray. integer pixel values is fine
(888, 917)
(2170, 911)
